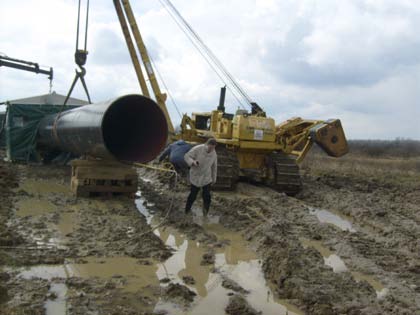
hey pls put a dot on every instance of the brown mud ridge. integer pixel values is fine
(64, 255)
(51, 242)
(343, 246)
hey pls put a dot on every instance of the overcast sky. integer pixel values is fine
(356, 60)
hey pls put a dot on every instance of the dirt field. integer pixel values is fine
(348, 244)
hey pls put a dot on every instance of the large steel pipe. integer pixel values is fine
(130, 128)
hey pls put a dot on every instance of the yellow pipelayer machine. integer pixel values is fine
(251, 145)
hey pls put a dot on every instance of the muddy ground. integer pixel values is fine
(349, 243)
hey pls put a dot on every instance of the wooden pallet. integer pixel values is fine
(102, 178)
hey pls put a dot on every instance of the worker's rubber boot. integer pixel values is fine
(205, 211)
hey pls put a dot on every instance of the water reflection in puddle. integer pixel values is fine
(46, 272)
(325, 216)
(381, 291)
(138, 275)
(337, 264)
(330, 258)
(56, 305)
(235, 261)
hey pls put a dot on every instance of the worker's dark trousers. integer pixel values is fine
(193, 195)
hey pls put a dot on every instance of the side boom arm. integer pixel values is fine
(297, 136)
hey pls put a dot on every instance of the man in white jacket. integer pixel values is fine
(202, 160)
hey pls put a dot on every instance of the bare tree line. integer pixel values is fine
(401, 148)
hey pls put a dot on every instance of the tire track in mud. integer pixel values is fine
(275, 224)
(387, 243)
(103, 254)
(213, 236)
(272, 223)
(49, 231)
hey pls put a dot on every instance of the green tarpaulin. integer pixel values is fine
(2, 131)
(21, 128)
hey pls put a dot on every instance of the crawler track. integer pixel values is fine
(286, 173)
(227, 169)
(285, 176)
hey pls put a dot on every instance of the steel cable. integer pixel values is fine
(207, 50)
(205, 57)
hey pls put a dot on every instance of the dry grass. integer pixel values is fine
(393, 169)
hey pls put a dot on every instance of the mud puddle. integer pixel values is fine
(34, 207)
(233, 262)
(330, 259)
(338, 220)
(136, 274)
(337, 264)
(56, 304)
(381, 291)
(40, 187)
(127, 274)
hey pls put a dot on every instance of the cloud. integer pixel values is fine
(355, 60)
(342, 43)
(108, 48)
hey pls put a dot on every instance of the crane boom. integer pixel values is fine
(129, 16)
(25, 65)
(131, 48)
(250, 145)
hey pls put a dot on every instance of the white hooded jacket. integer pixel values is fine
(206, 171)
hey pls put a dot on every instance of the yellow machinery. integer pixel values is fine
(251, 145)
